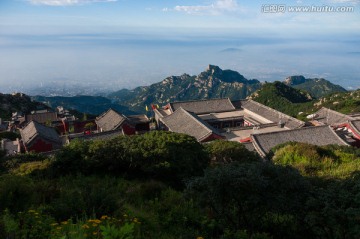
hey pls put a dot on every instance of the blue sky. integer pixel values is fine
(82, 34)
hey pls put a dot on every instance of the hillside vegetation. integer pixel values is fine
(346, 103)
(17, 103)
(283, 98)
(291, 101)
(86, 104)
(167, 185)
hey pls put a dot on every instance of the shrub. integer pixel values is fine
(167, 156)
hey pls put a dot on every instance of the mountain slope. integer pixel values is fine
(283, 98)
(346, 102)
(87, 104)
(317, 87)
(212, 83)
(291, 101)
(17, 103)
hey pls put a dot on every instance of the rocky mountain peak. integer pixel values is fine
(295, 80)
(212, 69)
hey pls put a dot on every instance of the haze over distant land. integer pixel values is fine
(105, 45)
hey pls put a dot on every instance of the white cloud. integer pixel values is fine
(216, 8)
(66, 2)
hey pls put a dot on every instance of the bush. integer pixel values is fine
(321, 161)
(79, 196)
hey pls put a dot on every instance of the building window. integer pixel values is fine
(226, 125)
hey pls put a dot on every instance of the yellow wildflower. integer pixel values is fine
(31, 211)
(85, 226)
(54, 224)
(97, 221)
(58, 228)
(104, 217)
(64, 222)
(94, 225)
(199, 238)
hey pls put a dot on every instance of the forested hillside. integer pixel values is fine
(346, 103)
(86, 104)
(291, 101)
(283, 98)
(17, 103)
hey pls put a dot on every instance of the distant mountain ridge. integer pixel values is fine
(317, 87)
(211, 83)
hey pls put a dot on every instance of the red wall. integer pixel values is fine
(128, 129)
(40, 146)
(78, 126)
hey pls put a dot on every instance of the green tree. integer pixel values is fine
(256, 197)
(334, 207)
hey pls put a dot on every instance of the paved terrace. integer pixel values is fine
(244, 133)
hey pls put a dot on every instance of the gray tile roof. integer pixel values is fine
(182, 121)
(34, 129)
(204, 106)
(331, 117)
(320, 135)
(97, 136)
(110, 120)
(355, 125)
(42, 117)
(271, 114)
